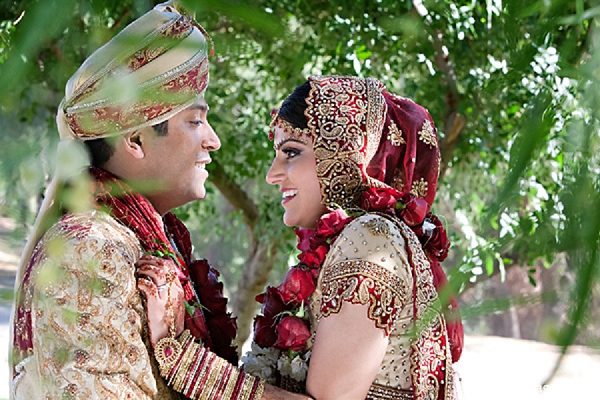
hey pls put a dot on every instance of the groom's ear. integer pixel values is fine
(133, 144)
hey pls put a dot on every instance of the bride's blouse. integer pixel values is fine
(369, 264)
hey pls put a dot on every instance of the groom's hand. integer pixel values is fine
(157, 278)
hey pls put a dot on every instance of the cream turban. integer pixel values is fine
(154, 68)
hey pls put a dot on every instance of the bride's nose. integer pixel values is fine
(275, 174)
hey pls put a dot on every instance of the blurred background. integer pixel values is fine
(512, 85)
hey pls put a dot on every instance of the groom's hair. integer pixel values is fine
(101, 150)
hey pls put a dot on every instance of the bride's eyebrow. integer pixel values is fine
(284, 141)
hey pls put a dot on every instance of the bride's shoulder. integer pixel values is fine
(374, 224)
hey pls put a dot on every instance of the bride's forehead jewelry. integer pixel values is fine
(301, 135)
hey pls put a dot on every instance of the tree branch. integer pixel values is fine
(454, 123)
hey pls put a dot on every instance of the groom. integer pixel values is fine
(80, 329)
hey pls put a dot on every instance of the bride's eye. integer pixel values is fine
(291, 152)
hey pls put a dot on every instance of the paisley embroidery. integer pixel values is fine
(346, 135)
(364, 282)
(96, 339)
(378, 227)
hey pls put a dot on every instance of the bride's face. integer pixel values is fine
(294, 171)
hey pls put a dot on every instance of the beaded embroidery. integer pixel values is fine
(427, 134)
(419, 188)
(395, 135)
(296, 133)
(364, 282)
(345, 116)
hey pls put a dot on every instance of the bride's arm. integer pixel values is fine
(346, 355)
(364, 285)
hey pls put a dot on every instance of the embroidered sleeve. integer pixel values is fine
(191, 369)
(368, 266)
(86, 316)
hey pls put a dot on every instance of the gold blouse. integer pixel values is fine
(369, 264)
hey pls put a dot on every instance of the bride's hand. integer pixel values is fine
(156, 277)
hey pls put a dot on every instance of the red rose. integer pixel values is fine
(199, 271)
(265, 334)
(414, 210)
(333, 222)
(292, 333)
(304, 236)
(297, 285)
(196, 324)
(272, 302)
(222, 328)
(380, 199)
(313, 258)
(437, 243)
(207, 285)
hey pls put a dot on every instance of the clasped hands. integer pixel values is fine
(158, 279)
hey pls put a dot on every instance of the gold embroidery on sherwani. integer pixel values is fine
(427, 135)
(87, 315)
(395, 136)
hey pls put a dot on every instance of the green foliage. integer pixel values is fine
(520, 176)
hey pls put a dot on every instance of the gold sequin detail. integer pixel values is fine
(419, 188)
(380, 392)
(378, 227)
(427, 351)
(364, 282)
(395, 135)
(427, 135)
(297, 133)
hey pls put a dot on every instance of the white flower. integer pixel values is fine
(284, 366)
(261, 362)
(299, 369)
(296, 369)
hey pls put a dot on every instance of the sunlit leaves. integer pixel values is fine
(522, 77)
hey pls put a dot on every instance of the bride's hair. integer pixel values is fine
(293, 107)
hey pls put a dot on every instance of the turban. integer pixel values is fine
(154, 68)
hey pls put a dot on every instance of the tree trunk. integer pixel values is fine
(261, 254)
(258, 266)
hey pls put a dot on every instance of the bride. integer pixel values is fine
(359, 317)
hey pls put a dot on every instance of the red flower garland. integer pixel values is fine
(207, 317)
(282, 324)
